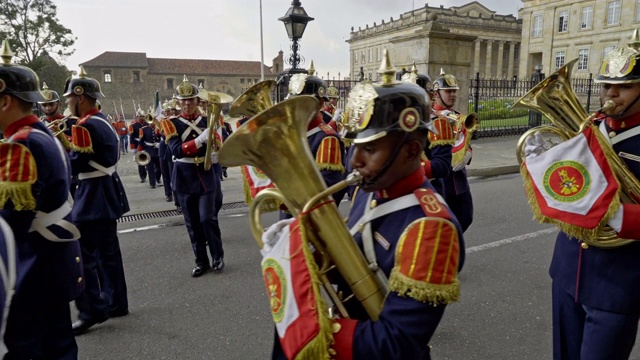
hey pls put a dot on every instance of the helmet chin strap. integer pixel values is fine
(387, 164)
(621, 113)
(444, 103)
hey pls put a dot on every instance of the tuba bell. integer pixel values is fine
(554, 98)
(275, 141)
(142, 158)
(254, 100)
(215, 101)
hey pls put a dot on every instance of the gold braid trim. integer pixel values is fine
(423, 291)
(167, 137)
(82, 149)
(331, 167)
(19, 193)
(318, 347)
(575, 231)
(441, 142)
(458, 156)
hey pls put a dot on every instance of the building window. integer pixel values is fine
(169, 83)
(563, 21)
(516, 52)
(136, 76)
(560, 55)
(606, 50)
(201, 83)
(355, 57)
(583, 59)
(241, 81)
(378, 52)
(638, 10)
(370, 56)
(107, 76)
(613, 12)
(537, 26)
(587, 17)
(362, 58)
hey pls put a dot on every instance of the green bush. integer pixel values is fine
(497, 109)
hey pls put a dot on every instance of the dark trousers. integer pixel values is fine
(142, 171)
(166, 167)
(154, 170)
(39, 328)
(462, 207)
(105, 284)
(201, 221)
(124, 143)
(581, 332)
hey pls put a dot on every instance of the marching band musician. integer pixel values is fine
(100, 201)
(149, 141)
(326, 145)
(35, 202)
(437, 153)
(413, 226)
(456, 186)
(196, 188)
(134, 140)
(595, 290)
(166, 163)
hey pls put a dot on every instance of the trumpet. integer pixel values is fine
(215, 102)
(459, 121)
(59, 126)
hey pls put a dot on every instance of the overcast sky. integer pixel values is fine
(230, 29)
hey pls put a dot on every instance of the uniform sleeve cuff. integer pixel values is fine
(189, 148)
(426, 165)
(343, 339)
(630, 224)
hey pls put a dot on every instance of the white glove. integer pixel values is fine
(214, 157)
(463, 163)
(135, 150)
(616, 220)
(202, 138)
(446, 112)
(156, 145)
(534, 146)
(338, 114)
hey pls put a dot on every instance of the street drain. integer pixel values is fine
(167, 213)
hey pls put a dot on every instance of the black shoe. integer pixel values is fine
(113, 313)
(199, 270)
(153, 186)
(224, 172)
(169, 198)
(142, 181)
(218, 264)
(221, 178)
(82, 326)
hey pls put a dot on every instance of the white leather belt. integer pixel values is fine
(149, 143)
(43, 220)
(190, 160)
(100, 171)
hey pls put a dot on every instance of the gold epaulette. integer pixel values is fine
(81, 139)
(169, 129)
(329, 155)
(426, 262)
(442, 134)
(18, 172)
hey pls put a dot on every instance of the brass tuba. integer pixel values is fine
(215, 100)
(275, 142)
(254, 100)
(554, 98)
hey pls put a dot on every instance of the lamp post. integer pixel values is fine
(295, 22)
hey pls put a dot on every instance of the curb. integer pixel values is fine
(494, 171)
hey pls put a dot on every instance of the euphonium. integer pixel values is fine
(215, 100)
(142, 158)
(254, 100)
(554, 98)
(275, 141)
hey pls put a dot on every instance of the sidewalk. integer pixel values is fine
(491, 157)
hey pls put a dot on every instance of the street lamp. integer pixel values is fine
(295, 21)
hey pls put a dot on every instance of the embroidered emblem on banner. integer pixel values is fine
(567, 181)
(275, 279)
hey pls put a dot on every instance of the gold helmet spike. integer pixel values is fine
(312, 70)
(44, 86)
(7, 54)
(442, 71)
(387, 71)
(83, 73)
(414, 68)
(635, 40)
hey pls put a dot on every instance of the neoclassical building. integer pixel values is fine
(134, 77)
(462, 40)
(557, 31)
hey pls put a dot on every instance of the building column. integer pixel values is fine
(499, 71)
(512, 54)
(487, 67)
(476, 57)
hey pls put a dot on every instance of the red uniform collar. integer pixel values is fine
(56, 116)
(17, 125)
(626, 123)
(90, 113)
(190, 117)
(437, 107)
(404, 186)
(317, 121)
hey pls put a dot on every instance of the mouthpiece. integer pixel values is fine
(608, 106)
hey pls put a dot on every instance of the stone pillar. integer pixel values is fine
(499, 71)
(487, 67)
(476, 57)
(512, 54)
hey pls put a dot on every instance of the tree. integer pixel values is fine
(33, 29)
(51, 72)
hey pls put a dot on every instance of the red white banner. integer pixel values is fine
(573, 185)
(290, 276)
(254, 182)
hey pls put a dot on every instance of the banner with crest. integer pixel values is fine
(255, 181)
(573, 186)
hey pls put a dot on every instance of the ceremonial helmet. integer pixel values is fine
(422, 80)
(186, 90)
(445, 82)
(140, 113)
(308, 84)
(621, 66)
(49, 96)
(376, 109)
(332, 92)
(17, 80)
(83, 85)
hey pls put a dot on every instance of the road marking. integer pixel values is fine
(510, 240)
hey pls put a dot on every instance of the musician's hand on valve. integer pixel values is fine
(202, 138)
(534, 146)
(616, 220)
(337, 114)
(446, 112)
(463, 163)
